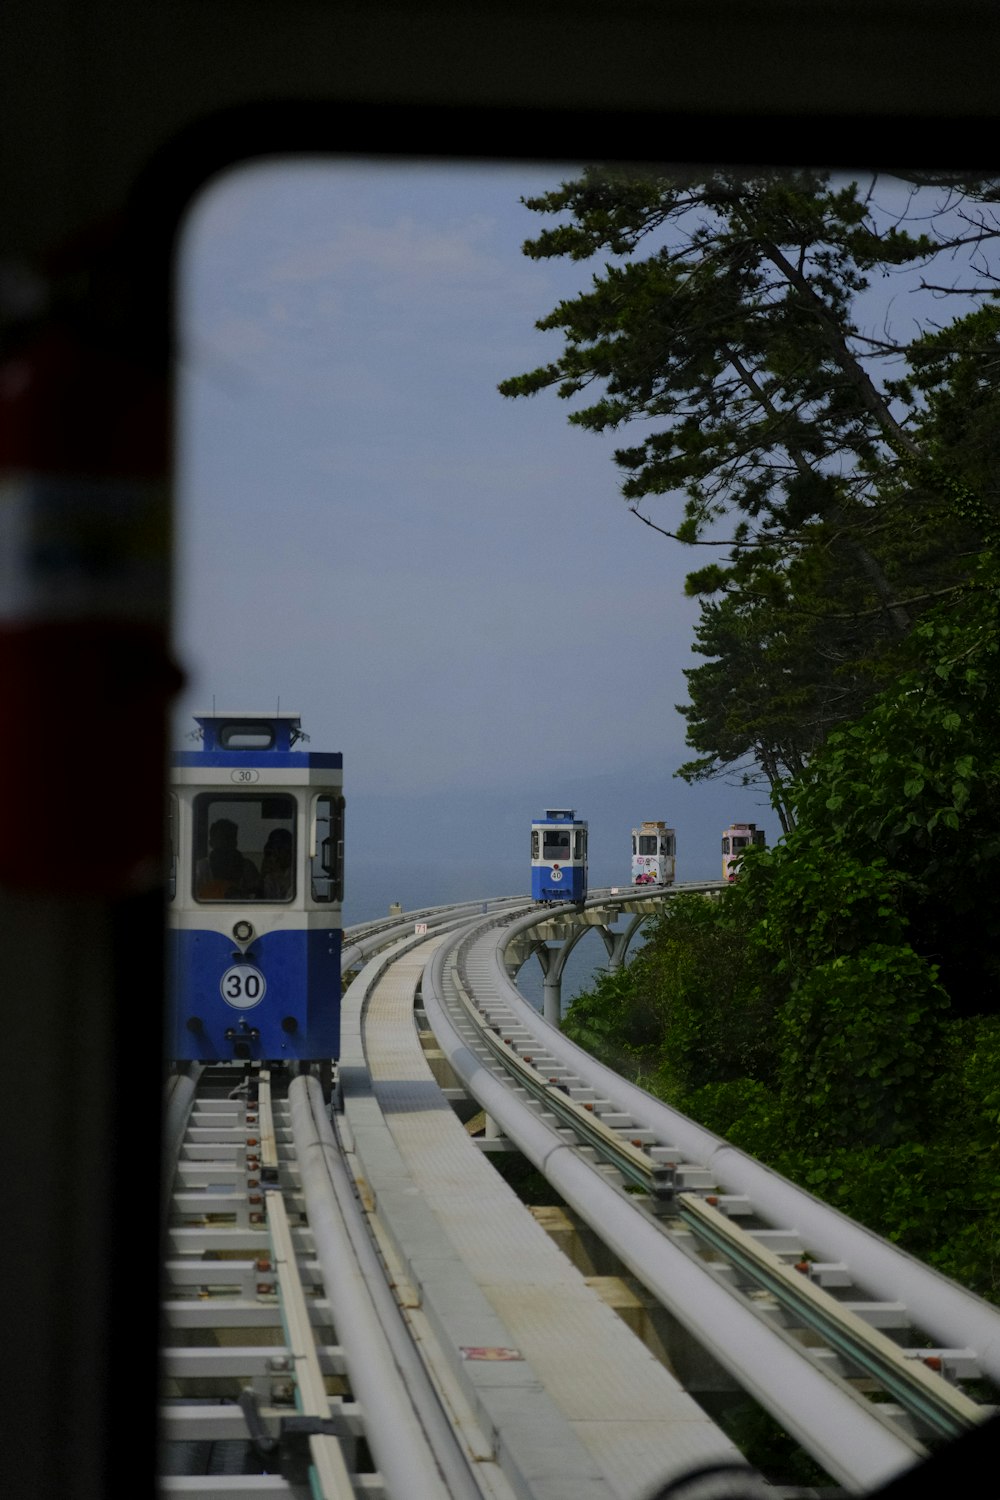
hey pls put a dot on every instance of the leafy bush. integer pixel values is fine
(861, 1049)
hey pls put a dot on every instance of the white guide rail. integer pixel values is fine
(812, 1386)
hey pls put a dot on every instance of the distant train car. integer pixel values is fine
(255, 895)
(736, 838)
(558, 857)
(654, 854)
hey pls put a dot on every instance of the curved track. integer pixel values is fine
(865, 1357)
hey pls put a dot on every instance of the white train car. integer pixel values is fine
(654, 854)
(736, 838)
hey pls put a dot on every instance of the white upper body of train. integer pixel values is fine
(654, 854)
(736, 839)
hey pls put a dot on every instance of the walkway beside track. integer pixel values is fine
(515, 1318)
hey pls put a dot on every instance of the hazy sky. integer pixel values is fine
(445, 584)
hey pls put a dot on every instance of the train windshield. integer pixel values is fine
(555, 843)
(647, 843)
(244, 847)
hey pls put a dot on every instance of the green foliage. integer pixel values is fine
(912, 791)
(940, 1200)
(722, 325)
(733, 332)
(861, 1036)
(618, 1021)
(859, 1086)
(836, 1012)
(769, 1448)
(685, 1012)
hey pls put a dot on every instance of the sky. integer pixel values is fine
(445, 584)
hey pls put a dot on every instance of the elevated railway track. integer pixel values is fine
(356, 1297)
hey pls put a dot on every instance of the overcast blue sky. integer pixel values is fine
(445, 584)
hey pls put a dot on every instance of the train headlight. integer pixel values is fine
(243, 932)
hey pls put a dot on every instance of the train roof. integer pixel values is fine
(558, 815)
(247, 713)
(232, 737)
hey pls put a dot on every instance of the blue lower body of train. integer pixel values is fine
(559, 883)
(278, 1002)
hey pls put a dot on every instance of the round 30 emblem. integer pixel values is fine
(242, 987)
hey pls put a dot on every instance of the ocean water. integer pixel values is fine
(366, 901)
(588, 959)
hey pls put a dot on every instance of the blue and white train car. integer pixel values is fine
(255, 895)
(558, 857)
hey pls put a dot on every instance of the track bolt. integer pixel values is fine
(803, 1266)
(934, 1362)
(263, 1265)
(256, 1218)
(265, 1289)
(712, 1199)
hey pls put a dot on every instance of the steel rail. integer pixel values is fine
(947, 1312)
(365, 939)
(421, 1446)
(417, 1447)
(816, 1405)
(946, 1411)
(938, 1405)
(397, 1439)
(468, 1478)
(817, 1408)
(179, 1096)
(636, 1167)
(332, 1480)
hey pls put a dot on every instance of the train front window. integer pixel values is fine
(246, 737)
(244, 847)
(647, 843)
(555, 843)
